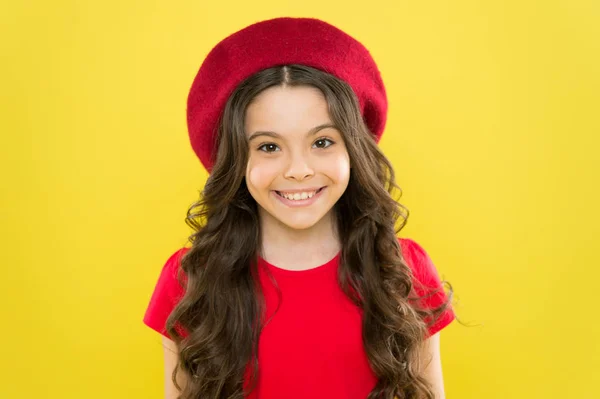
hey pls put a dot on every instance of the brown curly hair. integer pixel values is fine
(222, 304)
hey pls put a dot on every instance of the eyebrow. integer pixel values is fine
(312, 131)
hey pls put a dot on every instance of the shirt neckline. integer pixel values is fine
(289, 272)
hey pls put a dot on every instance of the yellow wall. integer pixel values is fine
(492, 129)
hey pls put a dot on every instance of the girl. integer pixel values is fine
(296, 284)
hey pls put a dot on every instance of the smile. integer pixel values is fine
(298, 195)
(299, 198)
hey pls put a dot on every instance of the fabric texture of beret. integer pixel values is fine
(274, 42)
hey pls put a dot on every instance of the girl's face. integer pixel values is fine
(295, 152)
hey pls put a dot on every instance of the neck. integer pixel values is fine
(288, 247)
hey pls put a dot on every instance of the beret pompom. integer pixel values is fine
(269, 43)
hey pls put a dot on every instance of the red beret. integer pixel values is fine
(280, 41)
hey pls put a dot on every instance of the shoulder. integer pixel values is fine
(416, 257)
(169, 276)
(411, 248)
(423, 268)
(428, 285)
(173, 262)
(175, 258)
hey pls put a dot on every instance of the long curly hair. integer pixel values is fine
(223, 304)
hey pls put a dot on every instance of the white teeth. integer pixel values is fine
(298, 196)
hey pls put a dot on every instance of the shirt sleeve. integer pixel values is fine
(427, 275)
(167, 293)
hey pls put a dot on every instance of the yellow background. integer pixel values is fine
(492, 130)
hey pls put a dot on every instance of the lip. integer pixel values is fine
(304, 202)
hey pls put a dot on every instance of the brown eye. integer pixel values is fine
(270, 147)
(320, 143)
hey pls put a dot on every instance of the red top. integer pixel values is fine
(313, 347)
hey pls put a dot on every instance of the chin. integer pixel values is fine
(297, 223)
(300, 218)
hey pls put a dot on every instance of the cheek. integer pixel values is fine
(259, 175)
(338, 169)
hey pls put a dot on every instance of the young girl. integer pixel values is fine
(296, 284)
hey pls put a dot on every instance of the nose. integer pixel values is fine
(299, 167)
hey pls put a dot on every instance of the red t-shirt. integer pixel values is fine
(313, 347)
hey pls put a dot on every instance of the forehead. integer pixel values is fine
(287, 110)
